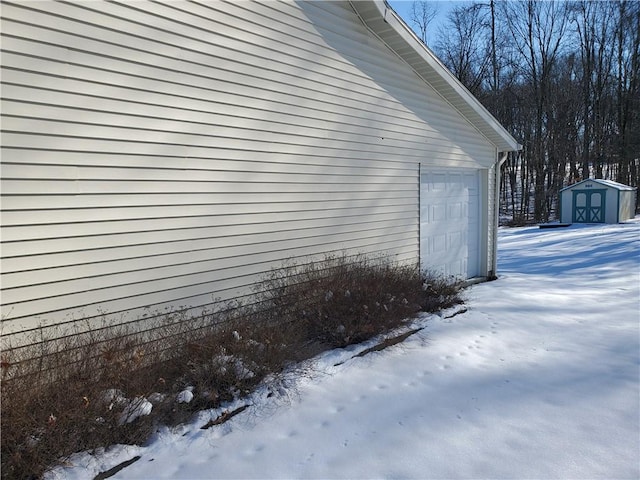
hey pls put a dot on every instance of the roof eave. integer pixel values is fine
(385, 23)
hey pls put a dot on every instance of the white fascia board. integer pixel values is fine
(604, 183)
(385, 23)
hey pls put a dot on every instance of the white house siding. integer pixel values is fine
(168, 154)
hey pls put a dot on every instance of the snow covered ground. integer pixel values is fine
(540, 378)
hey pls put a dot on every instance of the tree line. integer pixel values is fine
(562, 76)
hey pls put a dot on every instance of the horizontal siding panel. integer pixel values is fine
(218, 160)
(180, 230)
(336, 25)
(125, 297)
(413, 77)
(19, 287)
(217, 254)
(71, 78)
(183, 42)
(67, 121)
(106, 173)
(161, 224)
(213, 214)
(447, 155)
(49, 87)
(193, 122)
(184, 242)
(399, 130)
(61, 187)
(123, 311)
(406, 128)
(119, 207)
(219, 137)
(101, 230)
(250, 149)
(251, 81)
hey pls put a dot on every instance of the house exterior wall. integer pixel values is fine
(163, 155)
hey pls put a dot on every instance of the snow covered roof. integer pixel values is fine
(387, 25)
(606, 183)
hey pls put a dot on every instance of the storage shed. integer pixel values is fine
(597, 201)
(159, 155)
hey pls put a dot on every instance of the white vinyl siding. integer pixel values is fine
(169, 154)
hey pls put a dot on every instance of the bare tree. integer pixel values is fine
(422, 14)
(627, 90)
(595, 31)
(463, 46)
(537, 31)
(563, 76)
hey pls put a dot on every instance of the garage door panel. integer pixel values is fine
(438, 244)
(457, 211)
(449, 222)
(438, 213)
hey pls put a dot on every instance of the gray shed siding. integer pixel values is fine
(167, 154)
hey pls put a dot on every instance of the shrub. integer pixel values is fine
(342, 300)
(116, 383)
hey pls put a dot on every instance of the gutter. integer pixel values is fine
(493, 271)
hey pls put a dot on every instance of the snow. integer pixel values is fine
(185, 396)
(539, 378)
(138, 407)
(133, 409)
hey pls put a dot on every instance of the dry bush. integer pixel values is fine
(61, 396)
(343, 300)
(58, 403)
(86, 390)
(439, 292)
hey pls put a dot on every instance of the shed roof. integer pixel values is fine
(606, 183)
(387, 25)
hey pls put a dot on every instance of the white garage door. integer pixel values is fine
(450, 222)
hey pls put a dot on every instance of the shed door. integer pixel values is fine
(450, 222)
(588, 206)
